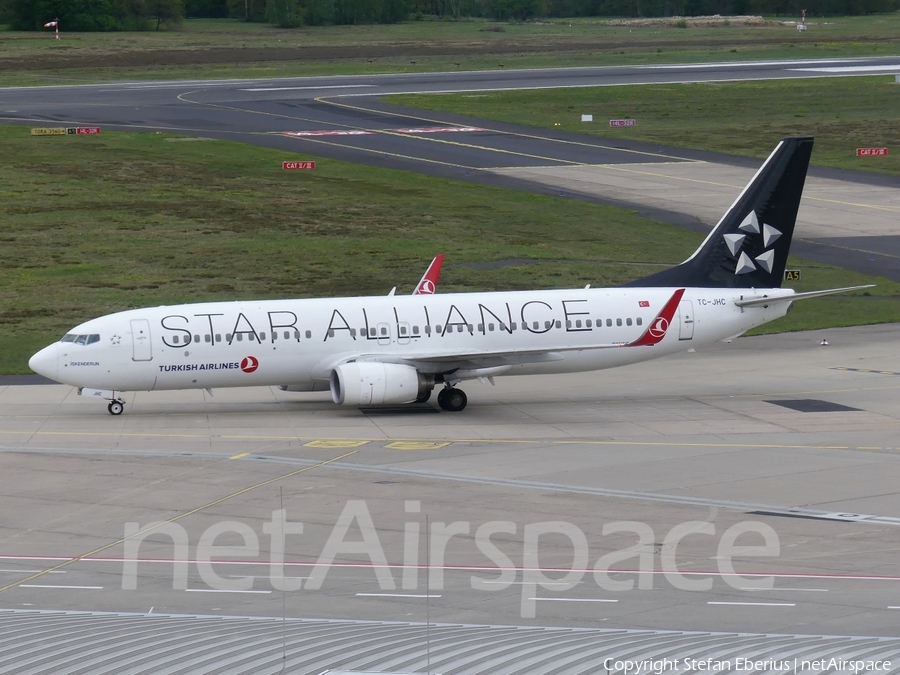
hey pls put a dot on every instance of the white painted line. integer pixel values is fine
(893, 607)
(395, 595)
(850, 69)
(34, 571)
(804, 590)
(217, 590)
(522, 583)
(86, 588)
(574, 599)
(756, 604)
(323, 86)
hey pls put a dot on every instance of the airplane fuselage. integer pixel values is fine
(297, 343)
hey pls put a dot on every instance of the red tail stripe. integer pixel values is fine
(656, 331)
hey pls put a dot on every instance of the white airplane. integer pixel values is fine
(394, 350)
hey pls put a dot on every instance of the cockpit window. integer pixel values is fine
(81, 339)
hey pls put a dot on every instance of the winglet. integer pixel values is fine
(658, 327)
(428, 283)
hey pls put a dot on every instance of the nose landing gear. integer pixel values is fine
(452, 399)
(116, 407)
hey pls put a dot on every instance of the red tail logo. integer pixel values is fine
(660, 325)
(428, 282)
(249, 364)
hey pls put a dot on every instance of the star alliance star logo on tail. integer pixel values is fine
(734, 242)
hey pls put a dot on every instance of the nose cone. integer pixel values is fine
(46, 362)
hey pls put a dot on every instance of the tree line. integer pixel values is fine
(106, 15)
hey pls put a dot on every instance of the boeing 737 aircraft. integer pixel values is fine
(394, 350)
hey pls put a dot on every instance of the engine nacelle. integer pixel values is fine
(373, 383)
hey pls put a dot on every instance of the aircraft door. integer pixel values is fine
(142, 348)
(384, 333)
(403, 333)
(686, 329)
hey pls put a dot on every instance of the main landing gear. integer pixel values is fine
(116, 407)
(452, 399)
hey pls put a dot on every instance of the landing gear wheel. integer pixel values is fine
(116, 407)
(452, 399)
(424, 397)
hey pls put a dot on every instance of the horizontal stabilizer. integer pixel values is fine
(764, 300)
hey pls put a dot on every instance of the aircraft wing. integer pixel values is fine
(448, 361)
(428, 283)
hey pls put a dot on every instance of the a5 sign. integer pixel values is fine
(792, 275)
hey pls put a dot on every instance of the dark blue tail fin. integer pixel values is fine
(749, 247)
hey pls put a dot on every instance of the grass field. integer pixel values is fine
(96, 225)
(740, 118)
(224, 48)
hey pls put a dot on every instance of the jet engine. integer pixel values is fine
(373, 383)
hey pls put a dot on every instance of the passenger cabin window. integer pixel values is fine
(240, 337)
(490, 326)
(228, 338)
(558, 324)
(207, 338)
(415, 330)
(373, 332)
(353, 332)
(628, 321)
(618, 322)
(535, 325)
(547, 325)
(262, 336)
(588, 323)
(427, 330)
(639, 321)
(218, 337)
(383, 330)
(609, 322)
(196, 338)
(402, 330)
(308, 335)
(331, 332)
